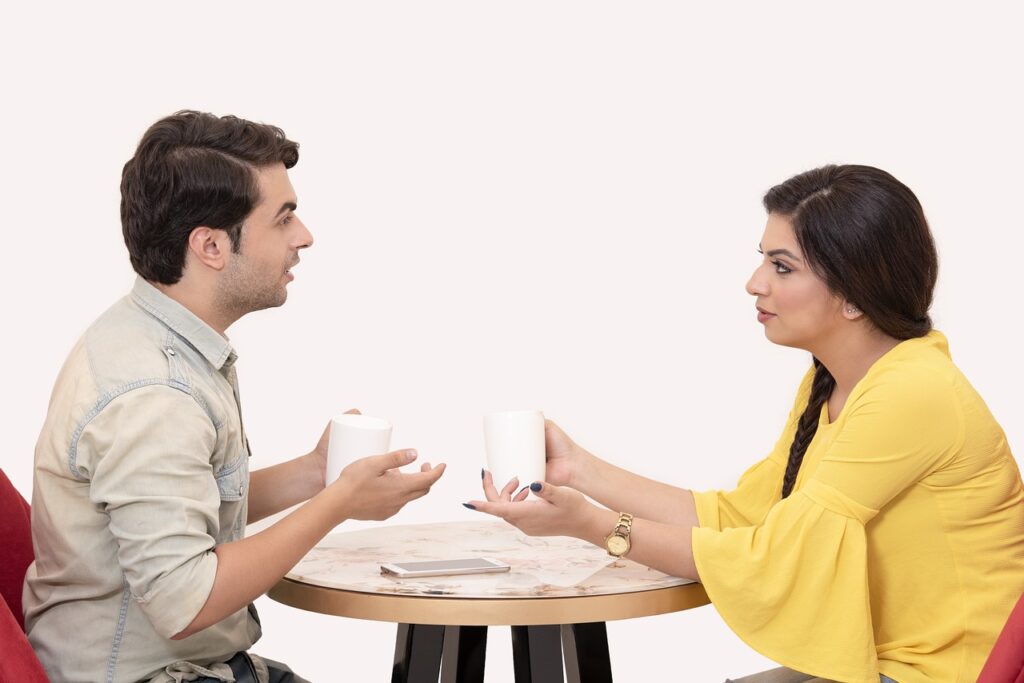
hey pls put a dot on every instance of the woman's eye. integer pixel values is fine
(287, 220)
(781, 268)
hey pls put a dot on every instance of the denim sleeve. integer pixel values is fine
(149, 452)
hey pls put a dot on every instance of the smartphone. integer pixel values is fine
(474, 565)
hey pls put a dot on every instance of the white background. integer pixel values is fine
(531, 204)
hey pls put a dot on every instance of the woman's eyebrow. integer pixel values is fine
(783, 252)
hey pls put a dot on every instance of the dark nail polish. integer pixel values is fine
(535, 486)
(481, 472)
(471, 507)
(521, 490)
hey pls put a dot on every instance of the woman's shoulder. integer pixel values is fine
(919, 364)
(917, 375)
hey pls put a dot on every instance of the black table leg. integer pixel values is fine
(537, 654)
(465, 649)
(587, 659)
(417, 653)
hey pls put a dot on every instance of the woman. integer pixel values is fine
(883, 537)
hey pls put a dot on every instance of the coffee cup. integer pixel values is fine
(514, 443)
(354, 437)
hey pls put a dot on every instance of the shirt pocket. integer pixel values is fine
(233, 485)
(233, 479)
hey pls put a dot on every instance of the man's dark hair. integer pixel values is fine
(192, 169)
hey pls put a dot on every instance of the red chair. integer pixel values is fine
(18, 663)
(1006, 663)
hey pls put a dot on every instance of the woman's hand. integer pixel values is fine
(565, 459)
(557, 511)
(506, 494)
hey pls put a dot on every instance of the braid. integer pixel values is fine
(821, 389)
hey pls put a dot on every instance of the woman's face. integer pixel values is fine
(794, 305)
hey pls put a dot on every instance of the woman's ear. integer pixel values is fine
(852, 311)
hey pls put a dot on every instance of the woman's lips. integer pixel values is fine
(763, 315)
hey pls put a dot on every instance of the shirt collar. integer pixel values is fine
(214, 346)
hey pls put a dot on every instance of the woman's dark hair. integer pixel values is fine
(864, 233)
(192, 169)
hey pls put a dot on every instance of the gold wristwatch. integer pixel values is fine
(617, 542)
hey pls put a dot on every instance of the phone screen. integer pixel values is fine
(442, 565)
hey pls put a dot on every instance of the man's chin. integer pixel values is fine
(269, 302)
(279, 300)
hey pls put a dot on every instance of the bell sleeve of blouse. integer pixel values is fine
(760, 485)
(802, 572)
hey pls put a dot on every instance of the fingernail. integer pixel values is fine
(410, 454)
(481, 472)
(536, 486)
(467, 505)
(521, 490)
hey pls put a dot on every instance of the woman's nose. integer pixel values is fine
(756, 285)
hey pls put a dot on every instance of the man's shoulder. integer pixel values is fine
(126, 348)
(125, 344)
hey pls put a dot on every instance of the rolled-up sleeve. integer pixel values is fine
(148, 454)
(761, 485)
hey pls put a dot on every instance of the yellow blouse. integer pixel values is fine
(900, 550)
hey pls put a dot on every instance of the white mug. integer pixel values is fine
(353, 437)
(514, 441)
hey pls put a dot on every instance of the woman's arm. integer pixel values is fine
(624, 491)
(563, 511)
(569, 464)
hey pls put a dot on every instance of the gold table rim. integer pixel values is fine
(468, 611)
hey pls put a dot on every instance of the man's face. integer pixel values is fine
(256, 276)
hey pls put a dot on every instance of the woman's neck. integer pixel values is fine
(849, 357)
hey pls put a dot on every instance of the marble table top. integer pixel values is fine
(548, 567)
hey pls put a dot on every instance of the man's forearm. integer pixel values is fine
(281, 486)
(624, 491)
(249, 567)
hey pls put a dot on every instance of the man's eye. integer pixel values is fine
(287, 219)
(781, 268)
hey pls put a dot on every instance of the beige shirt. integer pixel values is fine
(141, 469)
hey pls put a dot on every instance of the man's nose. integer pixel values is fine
(305, 237)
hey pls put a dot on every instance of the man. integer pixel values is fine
(142, 486)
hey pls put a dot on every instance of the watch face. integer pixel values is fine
(617, 545)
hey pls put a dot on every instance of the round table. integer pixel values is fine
(556, 598)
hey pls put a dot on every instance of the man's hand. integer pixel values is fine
(374, 488)
(319, 454)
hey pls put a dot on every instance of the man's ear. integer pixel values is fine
(209, 246)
